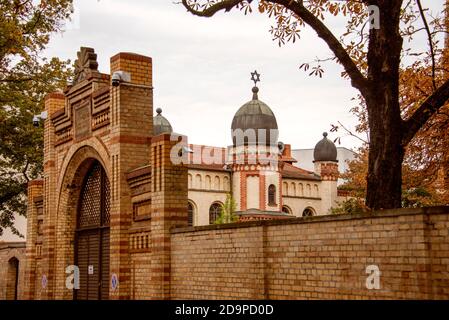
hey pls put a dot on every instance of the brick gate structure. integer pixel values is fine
(94, 123)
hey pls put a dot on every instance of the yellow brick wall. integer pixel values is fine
(317, 258)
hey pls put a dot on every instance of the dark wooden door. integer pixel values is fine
(92, 236)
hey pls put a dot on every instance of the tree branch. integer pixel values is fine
(426, 110)
(226, 5)
(358, 81)
(429, 35)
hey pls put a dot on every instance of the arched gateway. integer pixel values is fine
(92, 235)
(108, 197)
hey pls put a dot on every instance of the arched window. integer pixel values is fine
(226, 186)
(293, 189)
(285, 186)
(286, 209)
(12, 279)
(308, 190)
(208, 183)
(301, 190)
(217, 185)
(272, 194)
(191, 213)
(198, 182)
(189, 181)
(308, 212)
(214, 212)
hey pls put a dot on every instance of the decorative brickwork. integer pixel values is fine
(90, 121)
(328, 171)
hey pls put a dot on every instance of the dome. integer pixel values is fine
(325, 150)
(161, 124)
(255, 115)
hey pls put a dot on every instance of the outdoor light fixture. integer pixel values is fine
(119, 77)
(184, 150)
(38, 117)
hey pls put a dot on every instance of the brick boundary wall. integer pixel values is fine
(315, 258)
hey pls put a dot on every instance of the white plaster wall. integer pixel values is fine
(294, 192)
(202, 202)
(252, 195)
(329, 195)
(297, 205)
(205, 188)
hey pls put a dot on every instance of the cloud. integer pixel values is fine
(202, 67)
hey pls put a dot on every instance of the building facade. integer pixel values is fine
(117, 180)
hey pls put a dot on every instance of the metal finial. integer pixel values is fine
(158, 110)
(255, 77)
(325, 134)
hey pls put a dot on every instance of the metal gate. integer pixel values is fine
(92, 236)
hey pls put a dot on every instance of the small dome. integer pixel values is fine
(325, 150)
(255, 115)
(161, 124)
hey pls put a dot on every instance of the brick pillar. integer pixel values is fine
(131, 130)
(35, 189)
(53, 102)
(169, 210)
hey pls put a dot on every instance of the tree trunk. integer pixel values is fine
(446, 136)
(386, 152)
(386, 155)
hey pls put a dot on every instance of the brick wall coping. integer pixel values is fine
(327, 218)
(36, 182)
(54, 95)
(6, 245)
(131, 56)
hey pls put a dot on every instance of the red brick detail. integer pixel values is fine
(130, 139)
(243, 190)
(281, 199)
(165, 137)
(131, 56)
(49, 164)
(262, 192)
(55, 95)
(36, 182)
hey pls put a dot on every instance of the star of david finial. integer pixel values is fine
(255, 77)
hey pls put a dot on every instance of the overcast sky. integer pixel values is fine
(201, 67)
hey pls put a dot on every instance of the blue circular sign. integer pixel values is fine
(114, 281)
(44, 281)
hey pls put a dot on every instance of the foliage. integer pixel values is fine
(227, 214)
(25, 79)
(350, 206)
(417, 190)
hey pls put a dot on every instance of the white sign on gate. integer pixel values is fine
(90, 269)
